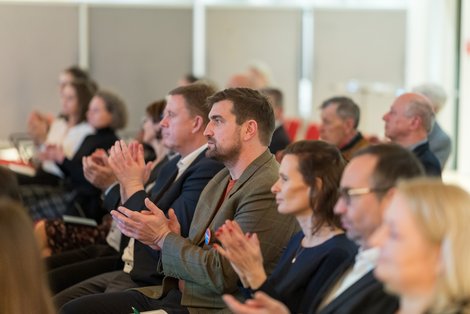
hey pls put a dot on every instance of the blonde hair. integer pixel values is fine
(23, 286)
(443, 213)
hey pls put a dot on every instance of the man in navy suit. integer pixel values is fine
(177, 187)
(408, 124)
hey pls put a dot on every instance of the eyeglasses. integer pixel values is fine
(347, 193)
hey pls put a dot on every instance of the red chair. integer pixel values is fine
(292, 127)
(312, 132)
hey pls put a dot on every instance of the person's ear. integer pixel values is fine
(416, 122)
(349, 124)
(250, 129)
(198, 124)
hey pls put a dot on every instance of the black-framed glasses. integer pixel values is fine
(347, 193)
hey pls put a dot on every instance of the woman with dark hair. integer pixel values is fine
(307, 188)
(107, 113)
(40, 123)
(68, 131)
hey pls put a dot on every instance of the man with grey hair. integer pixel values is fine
(340, 119)
(408, 123)
(439, 142)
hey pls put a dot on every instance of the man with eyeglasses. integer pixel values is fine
(367, 185)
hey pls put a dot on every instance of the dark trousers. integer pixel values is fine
(71, 267)
(122, 303)
(115, 281)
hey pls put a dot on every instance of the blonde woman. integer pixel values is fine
(424, 256)
(23, 287)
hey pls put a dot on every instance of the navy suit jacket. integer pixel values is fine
(87, 195)
(182, 195)
(364, 296)
(431, 164)
(279, 140)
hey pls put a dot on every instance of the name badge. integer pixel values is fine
(207, 236)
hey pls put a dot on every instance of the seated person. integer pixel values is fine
(24, 286)
(440, 142)
(106, 114)
(99, 251)
(280, 138)
(67, 131)
(408, 123)
(238, 133)
(366, 187)
(307, 189)
(39, 123)
(423, 247)
(340, 119)
(176, 190)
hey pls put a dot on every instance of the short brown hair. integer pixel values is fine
(195, 96)
(249, 104)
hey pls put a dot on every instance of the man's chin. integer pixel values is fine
(211, 153)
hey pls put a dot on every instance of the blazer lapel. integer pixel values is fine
(207, 206)
(350, 293)
(169, 171)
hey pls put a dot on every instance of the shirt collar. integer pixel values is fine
(185, 162)
(412, 147)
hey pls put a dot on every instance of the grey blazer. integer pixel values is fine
(440, 144)
(207, 274)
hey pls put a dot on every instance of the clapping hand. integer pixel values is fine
(260, 304)
(149, 227)
(244, 253)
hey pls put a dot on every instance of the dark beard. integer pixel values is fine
(226, 156)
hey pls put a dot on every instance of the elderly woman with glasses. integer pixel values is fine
(308, 189)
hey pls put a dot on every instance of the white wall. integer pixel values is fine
(140, 49)
(464, 109)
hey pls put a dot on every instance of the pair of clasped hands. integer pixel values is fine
(125, 164)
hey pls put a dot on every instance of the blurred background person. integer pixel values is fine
(423, 242)
(107, 113)
(39, 123)
(408, 123)
(340, 117)
(439, 141)
(23, 284)
(67, 131)
(187, 79)
(280, 139)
